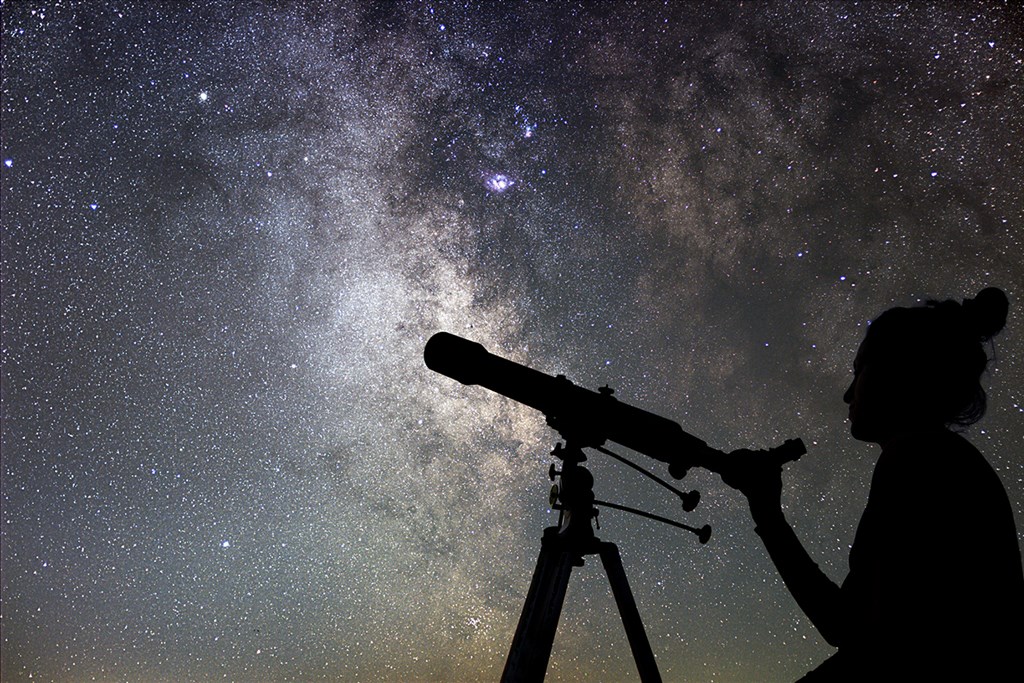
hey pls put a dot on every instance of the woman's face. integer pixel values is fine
(885, 397)
(870, 411)
(877, 398)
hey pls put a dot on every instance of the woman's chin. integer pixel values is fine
(863, 432)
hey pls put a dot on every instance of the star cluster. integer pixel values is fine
(228, 229)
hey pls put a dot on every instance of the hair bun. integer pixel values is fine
(986, 313)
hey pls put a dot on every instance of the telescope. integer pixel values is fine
(584, 417)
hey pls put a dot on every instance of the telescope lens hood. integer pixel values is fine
(455, 357)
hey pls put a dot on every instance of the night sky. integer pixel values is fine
(228, 230)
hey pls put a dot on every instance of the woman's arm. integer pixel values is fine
(816, 594)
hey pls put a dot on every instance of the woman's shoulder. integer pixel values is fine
(937, 458)
(942, 472)
(932, 447)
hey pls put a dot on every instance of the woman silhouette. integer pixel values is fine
(935, 589)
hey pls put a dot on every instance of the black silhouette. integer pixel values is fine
(935, 589)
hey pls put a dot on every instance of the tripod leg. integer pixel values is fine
(638, 643)
(531, 647)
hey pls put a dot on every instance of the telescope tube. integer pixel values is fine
(588, 417)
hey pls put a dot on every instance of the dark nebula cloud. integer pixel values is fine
(229, 228)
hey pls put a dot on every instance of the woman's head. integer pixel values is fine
(924, 364)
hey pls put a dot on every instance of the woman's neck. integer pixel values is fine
(911, 431)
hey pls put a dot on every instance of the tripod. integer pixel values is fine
(562, 548)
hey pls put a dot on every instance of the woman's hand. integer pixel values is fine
(755, 475)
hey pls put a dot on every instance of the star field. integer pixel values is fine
(228, 229)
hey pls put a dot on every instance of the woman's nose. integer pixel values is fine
(848, 396)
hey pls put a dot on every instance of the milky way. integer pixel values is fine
(228, 230)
